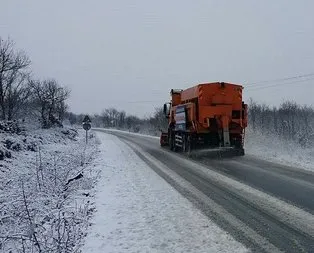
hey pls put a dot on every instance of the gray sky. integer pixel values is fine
(129, 54)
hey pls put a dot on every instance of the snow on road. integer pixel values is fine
(130, 133)
(137, 211)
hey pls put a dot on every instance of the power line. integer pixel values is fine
(278, 84)
(279, 79)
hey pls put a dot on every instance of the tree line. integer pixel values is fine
(290, 121)
(113, 118)
(21, 94)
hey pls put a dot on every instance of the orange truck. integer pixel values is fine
(208, 115)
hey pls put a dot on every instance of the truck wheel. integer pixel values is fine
(170, 137)
(240, 152)
(175, 148)
(188, 145)
(184, 143)
(171, 143)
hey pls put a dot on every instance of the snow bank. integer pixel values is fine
(45, 188)
(137, 211)
(272, 148)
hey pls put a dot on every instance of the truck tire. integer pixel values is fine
(175, 148)
(240, 152)
(188, 145)
(172, 141)
(184, 143)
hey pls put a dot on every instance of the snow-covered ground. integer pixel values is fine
(272, 148)
(137, 211)
(43, 208)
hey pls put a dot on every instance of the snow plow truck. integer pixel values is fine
(206, 116)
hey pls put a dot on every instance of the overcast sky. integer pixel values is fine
(129, 54)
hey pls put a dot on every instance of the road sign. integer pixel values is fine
(87, 126)
(87, 119)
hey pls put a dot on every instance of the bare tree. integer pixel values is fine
(49, 99)
(132, 122)
(159, 119)
(121, 119)
(111, 117)
(13, 79)
(18, 96)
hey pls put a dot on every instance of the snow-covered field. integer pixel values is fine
(43, 208)
(137, 211)
(272, 148)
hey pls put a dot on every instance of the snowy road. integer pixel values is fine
(265, 206)
(137, 211)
